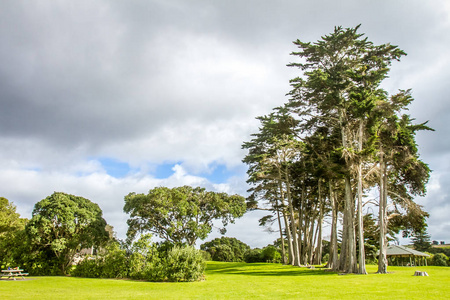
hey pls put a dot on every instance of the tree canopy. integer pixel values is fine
(64, 224)
(11, 233)
(182, 214)
(339, 136)
(10, 220)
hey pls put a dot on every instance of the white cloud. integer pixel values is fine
(152, 82)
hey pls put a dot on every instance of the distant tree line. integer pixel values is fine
(339, 137)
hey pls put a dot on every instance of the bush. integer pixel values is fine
(110, 263)
(184, 264)
(271, 254)
(145, 261)
(253, 256)
(114, 262)
(206, 255)
(237, 247)
(223, 253)
(90, 267)
(439, 259)
(325, 258)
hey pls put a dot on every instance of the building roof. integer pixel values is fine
(394, 250)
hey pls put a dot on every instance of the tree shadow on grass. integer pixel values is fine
(261, 269)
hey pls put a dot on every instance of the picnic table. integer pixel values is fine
(13, 273)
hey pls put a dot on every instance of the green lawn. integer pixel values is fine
(245, 281)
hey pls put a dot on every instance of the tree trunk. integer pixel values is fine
(362, 255)
(382, 260)
(311, 241)
(283, 251)
(293, 223)
(350, 262)
(286, 224)
(318, 256)
(333, 262)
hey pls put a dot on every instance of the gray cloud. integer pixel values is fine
(147, 82)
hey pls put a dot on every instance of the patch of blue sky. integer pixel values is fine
(220, 173)
(115, 168)
(164, 170)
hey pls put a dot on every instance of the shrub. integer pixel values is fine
(223, 253)
(145, 261)
(271, 254)
(110, 263)
(114, 262)
(206, 255)
(90, 267)
(440, 259)
(237, 247)
(184, 264)
(325, 258)
(254, 255)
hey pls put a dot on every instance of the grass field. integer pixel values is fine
(245, 281)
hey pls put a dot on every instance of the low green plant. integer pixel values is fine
(440, 259)
(184, 264)
(223, 253)
(253, 256)
(271, 254)
(145, 261)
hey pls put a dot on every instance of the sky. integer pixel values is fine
(103, 98)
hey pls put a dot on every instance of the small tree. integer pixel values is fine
(180, 215)
(421, 241)
(440, 259)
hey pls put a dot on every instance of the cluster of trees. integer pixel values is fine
(230, 249)
(338, 138)
(63, 224)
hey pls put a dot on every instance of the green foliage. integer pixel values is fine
(11, 235)
(111, 262)
(271, 254)
(144, 261)
(90, 267)
(63, 224)
(184, 264)
(206, 255)
(10, 220)
(253, 256)
(223, 253)
(421, 241)
(234, 250)
(439, 259)
(180, 215)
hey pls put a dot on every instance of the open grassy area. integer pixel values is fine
(245, 281)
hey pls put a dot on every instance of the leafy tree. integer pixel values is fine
(440, 259)
(270, 254)
(237, 248)
(421, 240)
(63, 224)
(181, 215)
(10, 220)
(254, 256)
(11, 233)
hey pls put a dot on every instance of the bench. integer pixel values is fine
(13, 274)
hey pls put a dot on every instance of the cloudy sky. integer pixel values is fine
(103, 98)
